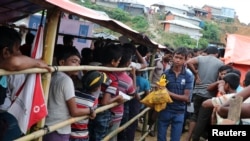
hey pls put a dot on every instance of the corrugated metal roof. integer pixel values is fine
(182, 23)
(184, 16)
(13, 10)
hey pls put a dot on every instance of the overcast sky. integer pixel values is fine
(240, 6)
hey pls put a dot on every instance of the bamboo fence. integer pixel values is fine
(69, 68)
(115, 132)
(49, 129)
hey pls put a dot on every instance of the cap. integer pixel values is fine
(93, 79)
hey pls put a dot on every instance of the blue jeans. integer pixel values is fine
(99, 127)
(164, 120)
(9, 129)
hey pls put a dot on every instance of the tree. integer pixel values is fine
(211, 32)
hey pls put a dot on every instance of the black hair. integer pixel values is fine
(112, 52)
(236, 71)
(87, 56)
(232, 79)
(58, 49)
(182, 51)
(29, 38)
(195, 50)
(8, 38)
(225, 67)
(212, 50)
(126, 57)
(143, 50)
(67, 52)
(67, 39)
(190, 52)
(130, 47)
(247, 79)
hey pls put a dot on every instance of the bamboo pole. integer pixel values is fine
(68, 68)
(144, 136)
(115, 132)
(53, 16)
(146, 116)
(234, 106)
(54, 127)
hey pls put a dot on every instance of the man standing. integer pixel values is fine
(179, 86)
(205, 74)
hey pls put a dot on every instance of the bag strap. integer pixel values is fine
(18, 91)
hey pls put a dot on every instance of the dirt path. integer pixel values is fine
(149, 138)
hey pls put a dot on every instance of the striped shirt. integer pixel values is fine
(80, 129)
(125, 84)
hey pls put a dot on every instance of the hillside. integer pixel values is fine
(233, 28)
(155, 29)
(150, 25)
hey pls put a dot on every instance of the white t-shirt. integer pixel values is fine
(14, 82)
(137, 66)
(61, 90)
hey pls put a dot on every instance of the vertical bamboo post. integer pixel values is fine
(234, 106)
(52, 19)
(145, 123)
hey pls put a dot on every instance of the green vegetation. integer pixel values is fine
(211, 32)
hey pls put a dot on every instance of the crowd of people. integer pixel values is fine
(194, 77)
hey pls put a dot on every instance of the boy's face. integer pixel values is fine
(71, 61)
(179, 60)
(222, 74)
(115, 63)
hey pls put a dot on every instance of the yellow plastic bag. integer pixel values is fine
(158, 99)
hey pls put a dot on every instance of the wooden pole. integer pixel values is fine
(234, 108)
(68, 68)
(54, 127)
(146, 116)
(53, 16)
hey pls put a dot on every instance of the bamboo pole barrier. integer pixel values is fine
(115, 132)
(52, 18)
(234, 106)
(54, 127)
(68, 68)
(146, 116)
(144, 136)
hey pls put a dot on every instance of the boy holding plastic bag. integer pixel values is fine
(180, 83)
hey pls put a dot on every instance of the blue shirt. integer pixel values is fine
(177, 85)
(142, 83)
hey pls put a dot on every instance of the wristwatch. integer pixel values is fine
(91, 110)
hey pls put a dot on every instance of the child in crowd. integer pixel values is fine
(232, 81)
(91, 81)
(61, 101)
(127, 85)
(99, 127)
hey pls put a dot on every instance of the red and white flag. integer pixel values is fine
(29, 106)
